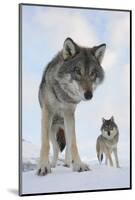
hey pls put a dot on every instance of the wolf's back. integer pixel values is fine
(48, 76)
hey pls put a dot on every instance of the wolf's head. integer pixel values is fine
(81, 69)
(109, 128)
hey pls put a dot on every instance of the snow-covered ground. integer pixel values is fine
(63, 179)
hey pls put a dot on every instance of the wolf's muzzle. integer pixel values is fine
(88, 95)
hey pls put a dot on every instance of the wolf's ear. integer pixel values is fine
(103, 120)
(99, 52)
(112, 119)
(69, 49)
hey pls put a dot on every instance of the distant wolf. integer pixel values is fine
(107, 141)
(70, 77)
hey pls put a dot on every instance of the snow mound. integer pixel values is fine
(30, 154)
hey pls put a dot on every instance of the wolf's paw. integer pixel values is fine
(44, 170)
(80, 167)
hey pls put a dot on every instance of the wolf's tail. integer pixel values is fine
(60, 137)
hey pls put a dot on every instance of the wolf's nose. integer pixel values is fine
(88, 95)
(109, 133)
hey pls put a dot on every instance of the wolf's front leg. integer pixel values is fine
(44, 165)
(116, 157)
(106, 160)
(72, 150)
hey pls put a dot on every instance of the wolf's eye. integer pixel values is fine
(93, 75)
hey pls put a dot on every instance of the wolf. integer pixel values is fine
(70, 77)
(107, 141)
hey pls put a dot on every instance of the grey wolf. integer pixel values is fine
(107, 141)
(70, 77)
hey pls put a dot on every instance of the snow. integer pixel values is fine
(29, 150)
(63, 179)
(30, 154)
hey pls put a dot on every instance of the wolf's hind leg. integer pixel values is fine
(68, 158)
(106, 160)
(100, 157)
(55, 149)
